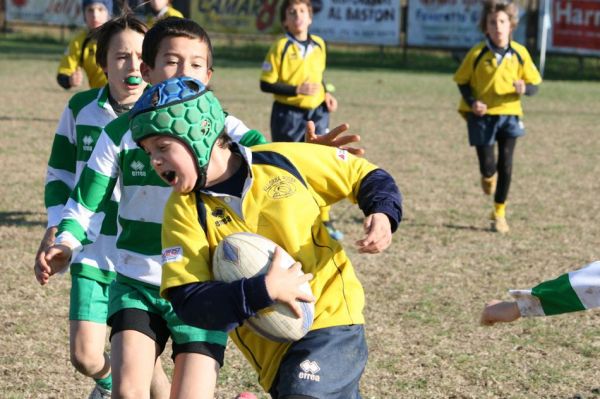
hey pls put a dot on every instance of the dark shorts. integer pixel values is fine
(487, 129)
(325, 364)
(288, 123)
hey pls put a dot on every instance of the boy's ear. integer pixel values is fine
(145, 70)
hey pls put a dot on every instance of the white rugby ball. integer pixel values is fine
(244, 255)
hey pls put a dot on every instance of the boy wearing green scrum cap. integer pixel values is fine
(221, 188)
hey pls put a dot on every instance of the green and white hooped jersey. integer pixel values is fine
(118, 164)
(78, 130)
(570, 292)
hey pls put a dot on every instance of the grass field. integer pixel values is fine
(424, 294)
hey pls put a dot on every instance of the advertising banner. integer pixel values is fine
(342, 21)
(449, 23)
(574, 26)
(51, 12)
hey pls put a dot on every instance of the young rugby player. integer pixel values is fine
(92, 270)
(161, 9)
(81, 53)
(491, 79)
(273, 190)
(293, 71)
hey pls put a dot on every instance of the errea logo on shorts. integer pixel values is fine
(309, 371)
(172, 254)
(137, 168)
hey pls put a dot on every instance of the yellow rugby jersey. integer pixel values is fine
(74, 58)
(286, 63)
(281, 201)
(164, 13)
(492, 83)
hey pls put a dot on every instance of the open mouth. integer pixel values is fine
(169, 176)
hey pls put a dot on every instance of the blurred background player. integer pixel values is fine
(491, 79)
(570, 292)
(293, 71)
(119, 47)
(80, 56)
(160, 9)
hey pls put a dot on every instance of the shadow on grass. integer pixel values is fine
(27, 119)
(21, 219)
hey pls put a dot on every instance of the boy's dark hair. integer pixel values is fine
(287, 3)
(494, 6)
(112, 27)
(173, 27)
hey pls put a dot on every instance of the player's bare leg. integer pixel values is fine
(160, 386)
(195, 376)
(87, 340)
(133, 359)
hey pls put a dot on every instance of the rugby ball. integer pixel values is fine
(244, 255)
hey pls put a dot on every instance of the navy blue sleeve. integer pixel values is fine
(467, 94)
(531, 90)
(378, 192)
(63, 80)
(278, 88)
(215, 305)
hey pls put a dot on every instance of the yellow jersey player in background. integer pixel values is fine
(160, 9)
(80, 56)
(220, 188)
(491, 79)
(293, 71)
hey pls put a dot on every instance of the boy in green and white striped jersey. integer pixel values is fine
(570, 292)
(141, 320)
(119, 46)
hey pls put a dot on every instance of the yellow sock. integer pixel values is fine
(499, 209)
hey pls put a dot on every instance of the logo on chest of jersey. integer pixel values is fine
(220, 216)
(137, 168)
(281, 187)
(88, 143)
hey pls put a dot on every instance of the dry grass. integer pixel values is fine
(423, 295)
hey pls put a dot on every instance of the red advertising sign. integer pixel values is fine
(576, 24)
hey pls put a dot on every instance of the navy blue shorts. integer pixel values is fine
(288, 123)
(487, 129)
(325, 364)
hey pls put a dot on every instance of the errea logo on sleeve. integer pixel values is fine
(173, 254)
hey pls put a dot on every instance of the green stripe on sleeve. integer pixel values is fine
(93, 190)
(56, 193)
(557, 296)
(141, 237)
(73, 227)
(63, 154)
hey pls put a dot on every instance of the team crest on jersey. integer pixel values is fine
(137, 168)
(281, 187)
(267, 67)
(88, 142)
(173, 254)
(342, 154)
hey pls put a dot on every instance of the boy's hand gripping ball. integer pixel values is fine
(244, 255)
